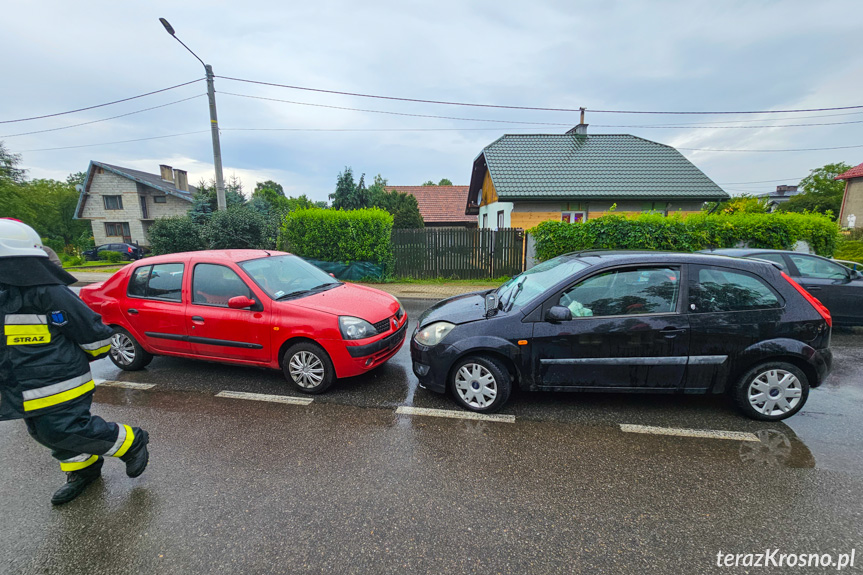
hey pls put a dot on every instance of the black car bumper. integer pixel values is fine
(431, 366)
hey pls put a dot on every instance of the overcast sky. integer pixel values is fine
(671, 56)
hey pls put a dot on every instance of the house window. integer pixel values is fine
(120, 229)
(500, 220)
(485, 220)
(160, 199)
(572, 217)
(113, 202)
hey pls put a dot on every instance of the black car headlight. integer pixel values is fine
(433, 333)
(355, 328)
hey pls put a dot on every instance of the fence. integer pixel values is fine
(458, 253)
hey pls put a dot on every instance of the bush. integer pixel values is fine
(338, 235)
(72, 261)
(236, 228)
(850, 250)
(109, 256)
(175, 234)
(695, 232)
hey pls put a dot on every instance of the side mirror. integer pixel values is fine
(240, 302)
(558, 313)
(332, 275)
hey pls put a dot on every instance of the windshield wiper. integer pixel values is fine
(292, 294)
(511, 301)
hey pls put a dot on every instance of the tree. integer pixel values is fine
(403, 207)
(350, 195)
(54, 204)
(76, 178)
(269, 185)
(742, 203)
(429, 183)
(9, 170)
(205, 201)
(821, 192)
(444, 182)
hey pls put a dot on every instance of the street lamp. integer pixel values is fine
(214, 122)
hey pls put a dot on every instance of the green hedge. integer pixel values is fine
(109, 256)
(687, 233)
(338, 235)
(850, 250)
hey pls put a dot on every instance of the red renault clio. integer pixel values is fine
(251, 307)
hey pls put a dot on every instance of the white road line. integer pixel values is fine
(707, 433)
(405, 410)
(265, 397)
(125, 384)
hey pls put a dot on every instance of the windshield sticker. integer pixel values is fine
(278, 294)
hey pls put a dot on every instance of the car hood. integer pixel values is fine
(463, 308)
(363, 302)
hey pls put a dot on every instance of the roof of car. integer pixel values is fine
(738, 252)
(595, 257)
(223, 255)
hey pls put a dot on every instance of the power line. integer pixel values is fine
(774, 150)
(450, 103)
(651, 126)
(120, 142)
(366, 129)
(103, 119)
(759, 182)
(100, 105)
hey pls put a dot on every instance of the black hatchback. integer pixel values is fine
(129, 252)
(647, 322)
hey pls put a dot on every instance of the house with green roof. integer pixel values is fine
(521, 180)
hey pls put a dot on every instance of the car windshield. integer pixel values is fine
(283, 277)
(527, 285)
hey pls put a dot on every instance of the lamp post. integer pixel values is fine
(214, 121)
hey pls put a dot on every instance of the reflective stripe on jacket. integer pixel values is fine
(49, 338)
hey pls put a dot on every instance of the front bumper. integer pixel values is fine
(431, 365)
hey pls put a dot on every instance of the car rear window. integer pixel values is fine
(160, 281)
(720, 289)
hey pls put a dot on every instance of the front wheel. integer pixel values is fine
(308, 368)
(772, 391)
(127, 353)
(481, 384)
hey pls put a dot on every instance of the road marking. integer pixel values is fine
(125, 384)
(707, 433)
(405, 410)
(265, 397)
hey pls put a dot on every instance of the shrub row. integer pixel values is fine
(234, 228)
(338, 235)
(687, 233)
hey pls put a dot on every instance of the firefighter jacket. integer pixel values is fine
(49, 338)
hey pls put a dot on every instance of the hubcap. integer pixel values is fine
(775, 392)
(122, 349)
(306, 369)
(475, 385)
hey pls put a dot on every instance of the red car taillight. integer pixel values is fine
(819, 307)
(130, 250)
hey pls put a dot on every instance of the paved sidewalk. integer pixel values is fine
(419, 291)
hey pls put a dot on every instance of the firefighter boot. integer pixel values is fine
(77, 482)
(137, 457)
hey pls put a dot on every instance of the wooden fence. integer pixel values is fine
(458, 253)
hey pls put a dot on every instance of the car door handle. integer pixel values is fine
(671, 332)
(811, 288)
(132, 311)
(197, 318)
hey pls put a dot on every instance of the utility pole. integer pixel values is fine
(214, 121)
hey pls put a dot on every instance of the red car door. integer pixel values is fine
(154, 308)
(214, 329)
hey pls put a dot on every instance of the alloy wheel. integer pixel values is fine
(306, 369)
(774, 392)
(475, 385)
(122, 348)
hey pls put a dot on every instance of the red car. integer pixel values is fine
(250, 307)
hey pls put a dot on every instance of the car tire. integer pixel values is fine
(126, 353)
(772, 391)
(481, 384)
(308, 368)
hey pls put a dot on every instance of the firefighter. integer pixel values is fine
(49, 338)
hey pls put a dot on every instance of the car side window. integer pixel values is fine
(775, 258)
(214, 284)
(160, 281)
(816, 268)
(719, 289)
(624, 292)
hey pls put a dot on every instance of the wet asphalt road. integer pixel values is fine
(345, 485)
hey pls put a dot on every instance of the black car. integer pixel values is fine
(631, 322)
(129, 251)
(838, 287)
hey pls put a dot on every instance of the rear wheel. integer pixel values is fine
(308, 368)
(481, 384)
(772, 391)
(126, 352)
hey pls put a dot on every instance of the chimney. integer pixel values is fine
(167, 173)
(581, 128)
(181, 180)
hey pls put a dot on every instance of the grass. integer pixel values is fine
(99, 268)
